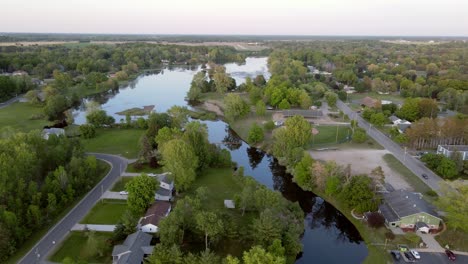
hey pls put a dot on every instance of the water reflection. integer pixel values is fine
(255, 156)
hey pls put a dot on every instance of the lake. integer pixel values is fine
(329, 236)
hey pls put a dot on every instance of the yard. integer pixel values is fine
(120, 185)
(145, 168)
(116, 141)
(79, 247)
(106, 212)
(18, 116)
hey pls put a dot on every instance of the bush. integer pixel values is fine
(270, 125)
(359, 135)
(255, 134)
(375, 220)
(87, 131)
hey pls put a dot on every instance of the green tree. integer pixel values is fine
(455, 205)
(378, 119)
(209, 224)
(55, 106)
(428, 108)
(260, 108)
(256, 134)
(167, 134)
(410, 110)
(141, 191)
(180, 159)
(359, 135)
(332, 185)
(163, 254)
(99, 118)
(284, 104)
(258, 255)
(266, 228)
(235, 107)
(196, 135)
(331, 98)
(87, 131)
(305, 101)
(303, 172)
(179, 115)
(358, 194)
(447, 168)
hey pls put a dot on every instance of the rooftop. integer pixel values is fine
(131, 250)
(455, 147)
(155, 213)
(404, 203)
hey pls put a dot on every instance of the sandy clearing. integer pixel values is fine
(213, 107)
(363, 161)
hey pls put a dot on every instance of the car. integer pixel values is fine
(450, 255)
(415, 254)
(403, 248)
(396, 255)
(409, 257)
(123, 193)
(425, 176)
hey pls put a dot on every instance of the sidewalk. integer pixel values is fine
(100, 228)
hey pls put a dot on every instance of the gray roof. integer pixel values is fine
(403, 127)
(421, 224)
(133, 245)
(388, 213)
(393, 118)
(163, 192)
(455, 147)
(304, 113)
(404, 203)
(164, 177)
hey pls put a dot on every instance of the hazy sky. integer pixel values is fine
(258, 17)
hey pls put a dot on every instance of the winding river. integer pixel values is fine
(329, 236)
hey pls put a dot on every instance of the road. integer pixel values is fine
(436, 258)
(56, 234)
(413, 164)
(9, 102)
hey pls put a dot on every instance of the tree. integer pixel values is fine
(246, 198)
(166, 254)
(259, 80)
(409, 110)
(141, 190)
(260, 108)
(432, 69)
(221, 79)
(235, 107)
(179, 115)
(359, 135)
(256, 134)
(453, 201)
(258, 255)
(266, 228)
(180, 159)
(167, 134)
(55, 106)
(375, 220)
(196, 135)
(304, 100)
(209, 224)
(99, 118)
(331, 98)
(303, 172)
(87, 131)
(358, 194)
(197, 87)
(332, 185)
(378, 119)
(428, 108)
(447, 168)
(284, 104)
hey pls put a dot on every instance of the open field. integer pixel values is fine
(17, 116)
(105, 212)
(78, 247)
(116, 141)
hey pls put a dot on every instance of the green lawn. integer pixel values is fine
(116, 141)
(106, 212)
(38, 234)
(413, 180)
(76, 246)
(457, 240)
(395, 98)
(18, 116)
(120, 185)
(328, 134)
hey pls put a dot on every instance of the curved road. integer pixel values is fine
(56, 234)
(413, 164)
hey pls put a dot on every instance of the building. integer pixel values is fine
(52, 131)
(134, 250)
(166, 186)
(408, 211)
(149, 223)
(401, 124)
(448, 150)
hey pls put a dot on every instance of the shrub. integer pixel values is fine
(270, 125)
(375, 220)
(87, 131)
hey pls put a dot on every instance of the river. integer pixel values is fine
(329, 236)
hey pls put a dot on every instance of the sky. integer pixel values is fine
(238, 17)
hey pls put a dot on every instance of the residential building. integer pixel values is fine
(149, 223)
(401, 124)
(408, 211)
(134, 250)
(166, 186)
(449, 150)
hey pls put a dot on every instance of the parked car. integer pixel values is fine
(123, 193)
(450, 255)
(403, 248)
(409, 257)
(415, 254)
(425, 176)
(396, 254)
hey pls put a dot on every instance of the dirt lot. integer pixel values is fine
(363, 161)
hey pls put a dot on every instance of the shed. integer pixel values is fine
(229, 204)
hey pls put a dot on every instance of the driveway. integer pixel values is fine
(413, 164)
(99, 228)
(56, 234)
(114, 195)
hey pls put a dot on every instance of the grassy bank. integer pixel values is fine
(17, 116)
(38, 234)
(116, 141)
(78, 247)
(106, 212)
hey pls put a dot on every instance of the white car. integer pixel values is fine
(415, 254)
(123, 193)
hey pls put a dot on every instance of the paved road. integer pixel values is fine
(99, 228)
(56, 234)
(9, 102)
(437, 258)
(413, 164)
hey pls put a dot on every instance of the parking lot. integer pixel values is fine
(437, 258)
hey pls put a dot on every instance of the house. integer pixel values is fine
(370, 102)
(448, 150)
(401, 124)
(134, 249)
(395, 120)
(19, 73)
(166, 186)
(52, 131)
(408, 211)
(149, 223)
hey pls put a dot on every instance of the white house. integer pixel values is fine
(149, 223)
(448, 150)
(166, 186)
(401, 124)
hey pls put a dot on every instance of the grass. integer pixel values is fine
(242, 126)
(135, 111)
(328, 135)
(457, 240)
(395, 98)
(120, 185)
(116, 141)
(145, 168)
(76, 246)
(38, 234)
(17, 116)
(106, 212)
(413, 180)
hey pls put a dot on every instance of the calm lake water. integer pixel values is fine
(329, 237)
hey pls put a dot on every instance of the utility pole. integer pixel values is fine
(404, 156)
(336, 133)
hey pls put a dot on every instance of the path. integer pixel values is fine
(9, 102)
(414, 165)
(56, 234)
(99, 228)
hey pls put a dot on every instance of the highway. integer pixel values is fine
(413, 164)
(53, 238)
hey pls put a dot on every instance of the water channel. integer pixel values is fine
(329, 237)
